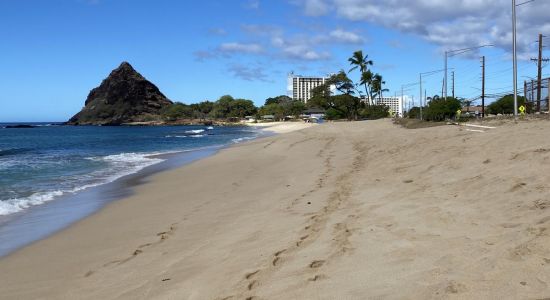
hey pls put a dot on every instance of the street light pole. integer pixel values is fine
(515, 59)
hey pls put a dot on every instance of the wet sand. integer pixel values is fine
(337, 211)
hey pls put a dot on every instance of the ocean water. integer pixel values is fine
(38, 165)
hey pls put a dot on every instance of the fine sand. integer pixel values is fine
(283, 127)
(363, 210)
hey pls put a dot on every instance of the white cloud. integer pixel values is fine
(346, 37)
(298, 48)
(253, 4)
(241, 48)
(316, 7)
(450, 24)
(217, 31)
(248, 73)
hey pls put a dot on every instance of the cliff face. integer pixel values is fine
(124, 96)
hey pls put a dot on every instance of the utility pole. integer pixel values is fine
(483, 86)
(539, 61)
(453, 78)
(525, 89)
(403, 100)
(420, 97)
(532, 90)
(539, 75)
(445, 80)
(514, 54)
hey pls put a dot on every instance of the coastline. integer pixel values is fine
(37, 222)
(343, 210)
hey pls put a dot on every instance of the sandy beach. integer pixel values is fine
(351, 210)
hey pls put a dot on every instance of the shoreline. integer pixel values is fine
(345, 210)
(20, 229)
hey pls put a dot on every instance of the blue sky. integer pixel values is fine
(53, 52)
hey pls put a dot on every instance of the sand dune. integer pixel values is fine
(337, 211)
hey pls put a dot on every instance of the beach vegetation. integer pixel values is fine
(278, 99)
(228, 107)
(373, 112)
(362, 62)
(281, 107)
(440, 109)
(177, 111)
(505, 105)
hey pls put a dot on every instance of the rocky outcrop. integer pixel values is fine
(123, 97)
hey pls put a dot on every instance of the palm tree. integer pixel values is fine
(366, 80)
(358, 60)
(378, 85)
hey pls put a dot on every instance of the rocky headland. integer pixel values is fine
(125, 96)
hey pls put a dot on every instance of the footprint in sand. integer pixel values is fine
(252, 285)
(317, 277)
(316, 264)
(250, 275)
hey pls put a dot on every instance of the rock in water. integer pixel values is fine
(125, 96)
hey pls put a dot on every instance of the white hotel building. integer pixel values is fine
(394, 103)
(299, 87)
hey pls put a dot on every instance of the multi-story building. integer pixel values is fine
(394, 103)
(299, 87)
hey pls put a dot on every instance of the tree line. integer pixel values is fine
(440, 109)
(340, 97)
(352, 100)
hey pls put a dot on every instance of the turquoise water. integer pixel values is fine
(40, 164)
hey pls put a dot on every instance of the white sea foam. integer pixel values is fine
(195, 131)
(210, 128)
(11, 206)
(120, 165)
(196, 135)
(242, 139)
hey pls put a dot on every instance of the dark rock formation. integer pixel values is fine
(125, 96)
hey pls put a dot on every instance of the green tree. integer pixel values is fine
(177, 111)
(272, 109)
(278, 99)
(361, 62)
(334, 114)
(505, 105)
(373, 112)
(221, 108)
(345, 103)
(440, 109)
(240, 108)
(377, 86)
(342, 83)
(202, 109)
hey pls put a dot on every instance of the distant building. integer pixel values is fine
(299, 87)
(394, 103)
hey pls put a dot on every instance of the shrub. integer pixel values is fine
(505, 105)
(440, 109)
(373, 112)
(334, 114)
